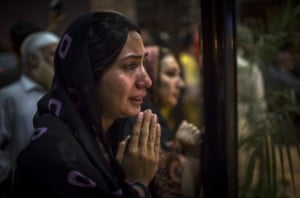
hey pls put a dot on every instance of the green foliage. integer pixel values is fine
(271, 33)
(272, 130)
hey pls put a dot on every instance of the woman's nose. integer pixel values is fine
(143, 80)
(180, 83)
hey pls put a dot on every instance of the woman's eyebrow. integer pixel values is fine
(134, 55)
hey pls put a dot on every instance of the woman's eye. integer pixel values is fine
(171, 73)
(146, 63)
(130, 66)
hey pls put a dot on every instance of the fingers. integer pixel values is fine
(193, 133)
(145, 130)
(152, 133)
(190, 128)
(182, 125)
(188, 133)
(157, 140)
(121, 149)
(195, 130)
(182, 129)
(133, 145)
(143, 133)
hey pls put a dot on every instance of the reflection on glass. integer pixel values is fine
(268, 100)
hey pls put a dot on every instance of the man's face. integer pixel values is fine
(48, 53)
(43, 72)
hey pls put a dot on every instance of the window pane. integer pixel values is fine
(268, 97)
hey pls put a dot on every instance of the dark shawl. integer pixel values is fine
(68, 155)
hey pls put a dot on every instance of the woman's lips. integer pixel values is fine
(136, 100)
(176, 95)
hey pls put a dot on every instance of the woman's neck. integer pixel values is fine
(165, 112)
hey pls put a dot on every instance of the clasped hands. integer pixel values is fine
(190, 137)
(138, 154)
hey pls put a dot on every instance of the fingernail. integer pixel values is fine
(148, 111)
(154, 117)
(140, 115)
(158, 125)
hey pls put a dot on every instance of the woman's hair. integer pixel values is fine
(89, 46)
(108, 34)
(153, 67)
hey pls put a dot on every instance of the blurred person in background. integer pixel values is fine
(17, 33)
(251, 104)
(250, 81)
(178, 169)
(192, 96)
(283, 84)
(56, 16)
(18, 101)
(279, 75)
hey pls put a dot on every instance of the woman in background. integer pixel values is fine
(181, 147)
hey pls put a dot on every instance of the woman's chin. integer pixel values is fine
(173, 103)
(132, 112)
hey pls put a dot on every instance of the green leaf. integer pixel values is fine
(280, 148)
(273, 161)
(249, 175)
(291, 166)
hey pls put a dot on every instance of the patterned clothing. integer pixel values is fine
(167, 181)
(64, 159)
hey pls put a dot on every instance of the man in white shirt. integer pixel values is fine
(18, 101)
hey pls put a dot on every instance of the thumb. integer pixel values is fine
(182, 125)
(184, 122)
(121, 149)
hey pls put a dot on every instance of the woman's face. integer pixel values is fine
(123, 86)
(170, 82)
